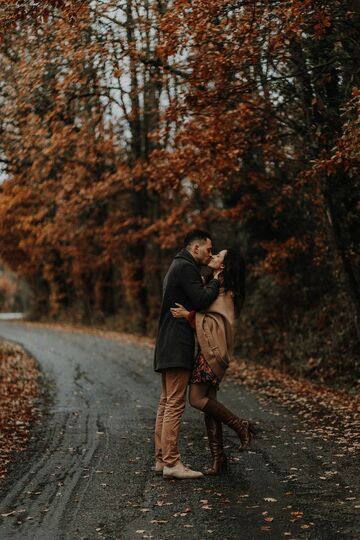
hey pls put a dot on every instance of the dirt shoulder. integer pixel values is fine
(331, 414)
(19, 388)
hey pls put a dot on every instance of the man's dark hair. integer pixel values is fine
(195, 236)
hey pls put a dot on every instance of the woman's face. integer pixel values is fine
(217, 261)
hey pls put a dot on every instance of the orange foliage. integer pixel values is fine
(137, 123)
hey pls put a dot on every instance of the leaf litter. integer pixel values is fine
(19, 389)
(334, 415)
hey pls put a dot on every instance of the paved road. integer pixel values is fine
(87, 473)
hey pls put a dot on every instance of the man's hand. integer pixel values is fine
(179, 312)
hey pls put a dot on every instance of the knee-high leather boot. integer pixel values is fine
(215, 438)
(243, 428)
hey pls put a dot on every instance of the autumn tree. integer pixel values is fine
(264, 86)
(88, 97)
(125, 123)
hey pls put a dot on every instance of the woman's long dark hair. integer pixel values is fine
(234, 277)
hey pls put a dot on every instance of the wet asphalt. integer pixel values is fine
(87, 473)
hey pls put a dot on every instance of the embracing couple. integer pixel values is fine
(193, 348)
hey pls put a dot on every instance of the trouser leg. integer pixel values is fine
(176, 383)
(159, 419)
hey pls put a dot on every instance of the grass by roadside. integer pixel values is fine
(19, 387)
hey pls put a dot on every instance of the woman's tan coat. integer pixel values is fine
(215, 332)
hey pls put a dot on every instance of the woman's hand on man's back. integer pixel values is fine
(179, 312)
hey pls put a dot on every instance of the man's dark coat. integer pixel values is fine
(183, 284)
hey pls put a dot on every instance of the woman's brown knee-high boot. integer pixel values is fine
(243, 428)
(215, 438)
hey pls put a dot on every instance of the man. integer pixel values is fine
(175, 344)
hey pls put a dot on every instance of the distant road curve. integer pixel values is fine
(11, 316)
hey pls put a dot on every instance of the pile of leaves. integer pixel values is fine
(333, 415)
(19, 387)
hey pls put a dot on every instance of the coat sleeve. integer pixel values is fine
(201, 297)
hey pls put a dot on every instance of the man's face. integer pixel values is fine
(202, 251)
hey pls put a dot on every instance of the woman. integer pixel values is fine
(214, 331)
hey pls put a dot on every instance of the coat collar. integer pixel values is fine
(185, 254)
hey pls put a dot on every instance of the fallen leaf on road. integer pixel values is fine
(19, 386)
(163, 503)
(297, 515)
